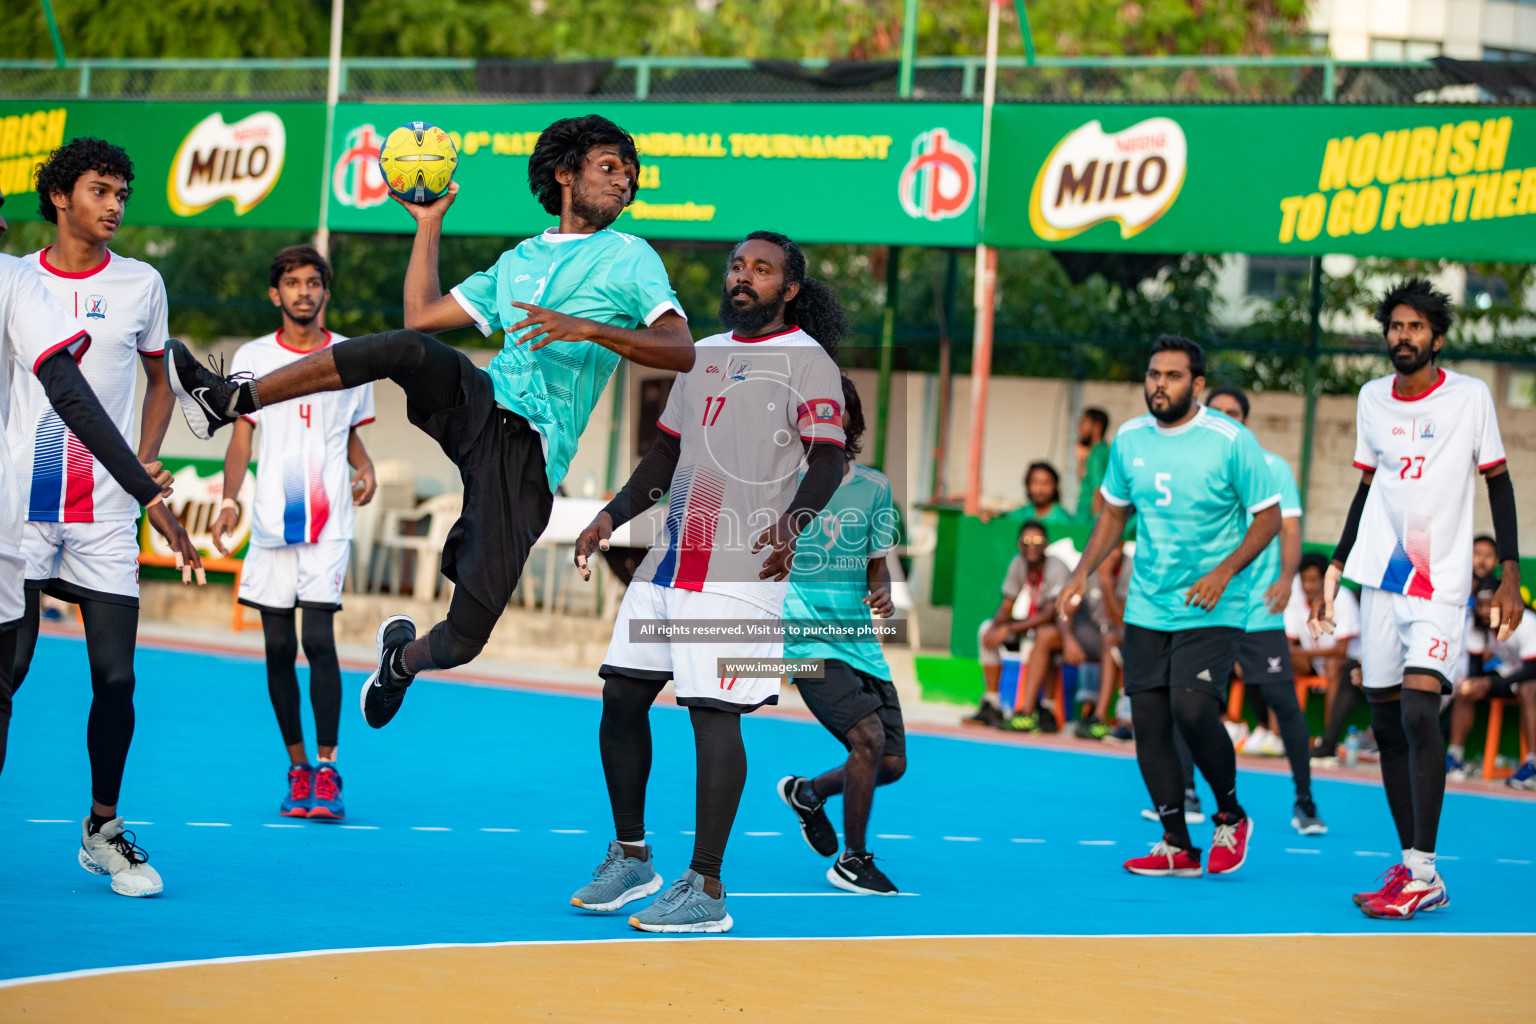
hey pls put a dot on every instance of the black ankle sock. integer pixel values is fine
(805, 792)
(246, 400)
(397, 665)
(98, 820)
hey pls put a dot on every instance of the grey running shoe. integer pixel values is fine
(618, 880)
(112, 851)
(856, 872)
(384, 691)
(204, 395)
(819, 834)
(1193, 813)
(1304, 819)
(685, 907)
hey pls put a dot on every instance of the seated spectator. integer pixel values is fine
(1042, 496)
(1030, 577)
(1497, 668)
(1081, 639)
(1092, 463)
(1114, 584)
(1485, 558)
(1335, 657)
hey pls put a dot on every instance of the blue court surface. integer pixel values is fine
(475, 815)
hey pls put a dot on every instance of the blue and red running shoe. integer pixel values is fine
(1411, 898)
(301, 785)
(327, 802)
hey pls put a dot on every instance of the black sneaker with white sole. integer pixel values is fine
(856, 872)
(205, 396)
(818, 832)
(384, 691)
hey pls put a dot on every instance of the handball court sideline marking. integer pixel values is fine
(98, 972)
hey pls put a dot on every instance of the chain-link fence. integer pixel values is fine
(1177, 80)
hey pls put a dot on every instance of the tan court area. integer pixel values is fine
(1396, 978)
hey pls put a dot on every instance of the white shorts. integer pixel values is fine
(693, 667)
(295, 576)
(1401, 634)
(99, 560)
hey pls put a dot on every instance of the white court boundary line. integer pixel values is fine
(98, 972)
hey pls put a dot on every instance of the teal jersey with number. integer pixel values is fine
(1195, 487)
(1266, 568)
(830, 581)
(606, 276)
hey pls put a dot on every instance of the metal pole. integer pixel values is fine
(620, 385)
(1309, 418)
(53, 34)
(946, 373)
(908, 47)
(1029, 37)
(332, 96)
(887, 349)
(986, 283)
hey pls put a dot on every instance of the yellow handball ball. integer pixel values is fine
(418, 160)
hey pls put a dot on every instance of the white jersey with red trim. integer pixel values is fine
(122, 304)
(303, 480)
(33, 326)
(741, 414)
(1415, 535)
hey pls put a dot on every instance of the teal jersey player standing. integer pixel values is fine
(830, 580)
(1266, 568)
(608, 277)
(1195, 488)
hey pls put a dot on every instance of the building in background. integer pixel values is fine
(1421, 29)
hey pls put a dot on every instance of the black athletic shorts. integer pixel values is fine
(1498, 686)
(1198, 659)
(847, 696)
(1265, 658)
(506, 494)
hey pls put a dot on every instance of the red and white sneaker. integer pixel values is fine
(1408, 900)
(1167, 860)
(1392, 881)
(1229, 847)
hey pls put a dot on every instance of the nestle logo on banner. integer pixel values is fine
(939, 180)
(356, 180)
(1132, 177)
(240, 162)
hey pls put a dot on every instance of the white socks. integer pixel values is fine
(1420, 864)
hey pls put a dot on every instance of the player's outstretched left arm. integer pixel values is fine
(665, 345)
(1507, 608)
(1209, 588)
(81, 411)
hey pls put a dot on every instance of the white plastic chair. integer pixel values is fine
(442, 511)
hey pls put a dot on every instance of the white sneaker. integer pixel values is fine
(112, 851)
(1238, 731)
(1267, 745)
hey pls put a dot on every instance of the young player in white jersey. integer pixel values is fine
(38, 337)
(729, 451)
(841, 577)
(301, 525)
(1422, 436)
(1504, 669)
(572, 302)
(81, 538)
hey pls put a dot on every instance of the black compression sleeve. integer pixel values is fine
(1351, 524)
(823, 474)
(649, 481)
(1506, 528)
(77, 405)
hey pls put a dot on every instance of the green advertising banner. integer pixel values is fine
(249, 165)
(873, 173)
(1407, 182)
